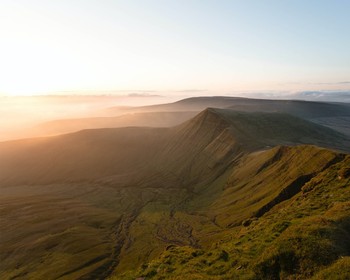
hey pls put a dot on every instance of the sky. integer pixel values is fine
(55, 46)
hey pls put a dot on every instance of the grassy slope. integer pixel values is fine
(208, 216)
(305, 236)
(262, 176)
(71, 230)
(55, 231)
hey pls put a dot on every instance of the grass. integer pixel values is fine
(45, 236)
(304, 237)
(339, 270)
(93, 229)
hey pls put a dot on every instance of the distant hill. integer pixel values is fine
(304, 109)
(333, 115)
(148, 119)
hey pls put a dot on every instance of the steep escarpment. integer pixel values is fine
(263, 179)
(217, 138)
(257, 129)
(305, 237)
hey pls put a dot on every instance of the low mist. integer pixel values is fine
(21, 117)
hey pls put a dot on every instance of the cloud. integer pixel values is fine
(137, 94)
(338, 96)
(192, 90)
(334, 83)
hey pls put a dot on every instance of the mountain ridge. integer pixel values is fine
(206, 140)
(194, 200)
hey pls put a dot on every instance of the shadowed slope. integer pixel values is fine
(85, 155)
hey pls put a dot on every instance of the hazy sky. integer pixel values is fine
(48, 45)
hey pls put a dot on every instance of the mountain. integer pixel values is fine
(222, 195)
(212, 138)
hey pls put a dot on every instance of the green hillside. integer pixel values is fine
(224, 195)
(302, 237)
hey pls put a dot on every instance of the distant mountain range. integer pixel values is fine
(335, 115)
